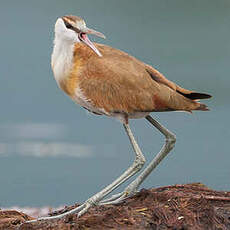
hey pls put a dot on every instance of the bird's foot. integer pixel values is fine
(129, 191)
(80, 210)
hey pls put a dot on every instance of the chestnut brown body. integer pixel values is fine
(119, 83)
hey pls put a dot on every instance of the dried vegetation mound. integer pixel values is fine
(178, 207)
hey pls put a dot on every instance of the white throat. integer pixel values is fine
(62, 57)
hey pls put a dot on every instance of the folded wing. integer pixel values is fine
(117, 82)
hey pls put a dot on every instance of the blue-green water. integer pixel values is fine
(52, 152)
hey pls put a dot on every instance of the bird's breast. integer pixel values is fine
(68, 64)
(70, 82)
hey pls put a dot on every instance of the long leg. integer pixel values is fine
(167, 147)
(94, 200)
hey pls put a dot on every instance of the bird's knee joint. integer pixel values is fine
(142, 161)
(139, 162)
(171, 140)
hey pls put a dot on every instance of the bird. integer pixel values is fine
(107, 81)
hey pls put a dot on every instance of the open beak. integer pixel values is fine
(84, 38)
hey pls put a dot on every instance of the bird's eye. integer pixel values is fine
(69, 26)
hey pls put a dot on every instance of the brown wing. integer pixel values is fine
(157, 76)
(118, 82)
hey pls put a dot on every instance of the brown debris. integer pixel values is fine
(178, 207)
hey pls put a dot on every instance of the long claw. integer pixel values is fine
(84, 210)
(112, 198)
(75, 210)
(117, 198)
(117, 201)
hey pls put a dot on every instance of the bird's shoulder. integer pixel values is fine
(112, 62)
(119, 82)
(116, 81)
(118, 64)
(114, 69)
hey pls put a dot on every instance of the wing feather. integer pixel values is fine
(118, 82)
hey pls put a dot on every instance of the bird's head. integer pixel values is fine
(73, 29)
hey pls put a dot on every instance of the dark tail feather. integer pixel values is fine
(202, 107)
(195, 96)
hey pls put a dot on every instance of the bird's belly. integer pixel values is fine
(123, 118)
(137, 115)
(85, 102)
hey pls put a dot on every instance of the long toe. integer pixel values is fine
(110, 199)
(47, 218)
(116, 199)
(129, 191)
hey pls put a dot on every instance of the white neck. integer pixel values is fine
(62, 57)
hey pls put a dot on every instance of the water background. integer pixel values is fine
(52, 152)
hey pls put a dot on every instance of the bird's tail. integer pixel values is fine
(202, 107)
(189, 101)
(194, 95)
